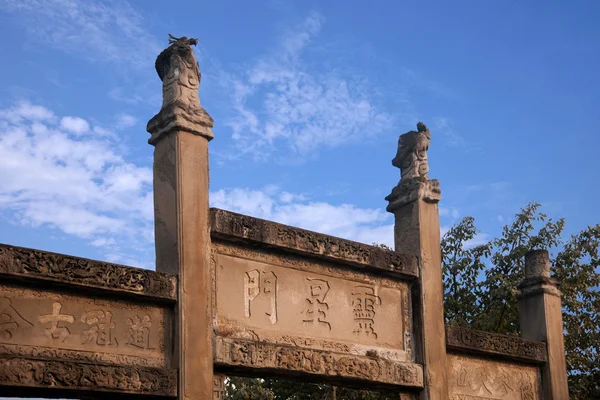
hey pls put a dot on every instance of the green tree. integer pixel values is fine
(480, 292)
(481, 285)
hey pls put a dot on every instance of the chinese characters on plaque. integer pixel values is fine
(260, 298)
(96, 326)
(261, 285)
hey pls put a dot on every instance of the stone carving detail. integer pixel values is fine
(10, 319)
(260, 283)
(411, 157)
(55, 331)
(179, 72)
(100, 329)
(364, 301)
(219, 387)
(228, 226)
(471, 340)
(261, 355)
(54, 325)
(77, 355)
(315, 311)
(139, 331)
(80, 376)
(80, 271)
(476, 379)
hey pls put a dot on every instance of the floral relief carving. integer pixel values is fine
(231, 226)
(81, 271)
(79, 376)
(484, 342)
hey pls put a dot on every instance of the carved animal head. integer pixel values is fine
(180, 46)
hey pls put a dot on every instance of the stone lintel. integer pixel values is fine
(75, 378)
(240, 355)
(173, 119)
(30, 264)
(465, 340)
(409, 190)
(230, 226)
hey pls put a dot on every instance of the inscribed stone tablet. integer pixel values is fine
(53, 325)
(473, 378)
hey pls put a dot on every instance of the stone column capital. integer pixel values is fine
(181, 111)
(537, 275)
(409, 190)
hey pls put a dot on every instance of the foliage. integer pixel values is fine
(481, 285)
(481, 279)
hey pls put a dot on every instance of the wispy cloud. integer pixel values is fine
(365, 225)
(99, 30)
(60, 173)
(283, 102)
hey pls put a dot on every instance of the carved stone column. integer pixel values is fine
(540, 317)
(414, 203)
(180, 133)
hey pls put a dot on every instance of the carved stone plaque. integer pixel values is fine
(272, 307)
(52, 325)
(472, 378)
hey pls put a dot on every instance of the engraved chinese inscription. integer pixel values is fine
(330, 308)
(473, 378)
(259, 283)
(57, 325)
(139, 331)
(10, 319)
(315, 312)
(55, 331)
(101, 328)
(364, 301)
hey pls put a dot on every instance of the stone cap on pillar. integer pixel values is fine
(179, 72)
(411, 158)
(537, 275)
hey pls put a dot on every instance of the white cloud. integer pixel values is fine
(99, 30)
(126, 121)
(52, 176)
(74, 125)
(345, 220)
(282, 102)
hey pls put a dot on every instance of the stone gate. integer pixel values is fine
(233, 294)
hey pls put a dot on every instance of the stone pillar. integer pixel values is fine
(540, 317)
(414, 203)
(180, 134)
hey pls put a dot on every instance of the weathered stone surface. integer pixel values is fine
(296, 361)
(540, 318)
(231, 226)
(470, 340)
(180, 133)
(21, 262)
(411, 156)
(410, 190)
(417, 233)
(537, 263)
(178, 69)
(472, 378)
(52, 325)
(309, 303)
(61, 375)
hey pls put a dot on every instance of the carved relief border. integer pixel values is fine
(235, 353)
(228, 226)
(24, 372)
(470, 340)
(42, 265)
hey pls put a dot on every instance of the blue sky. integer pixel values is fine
(309, 99)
